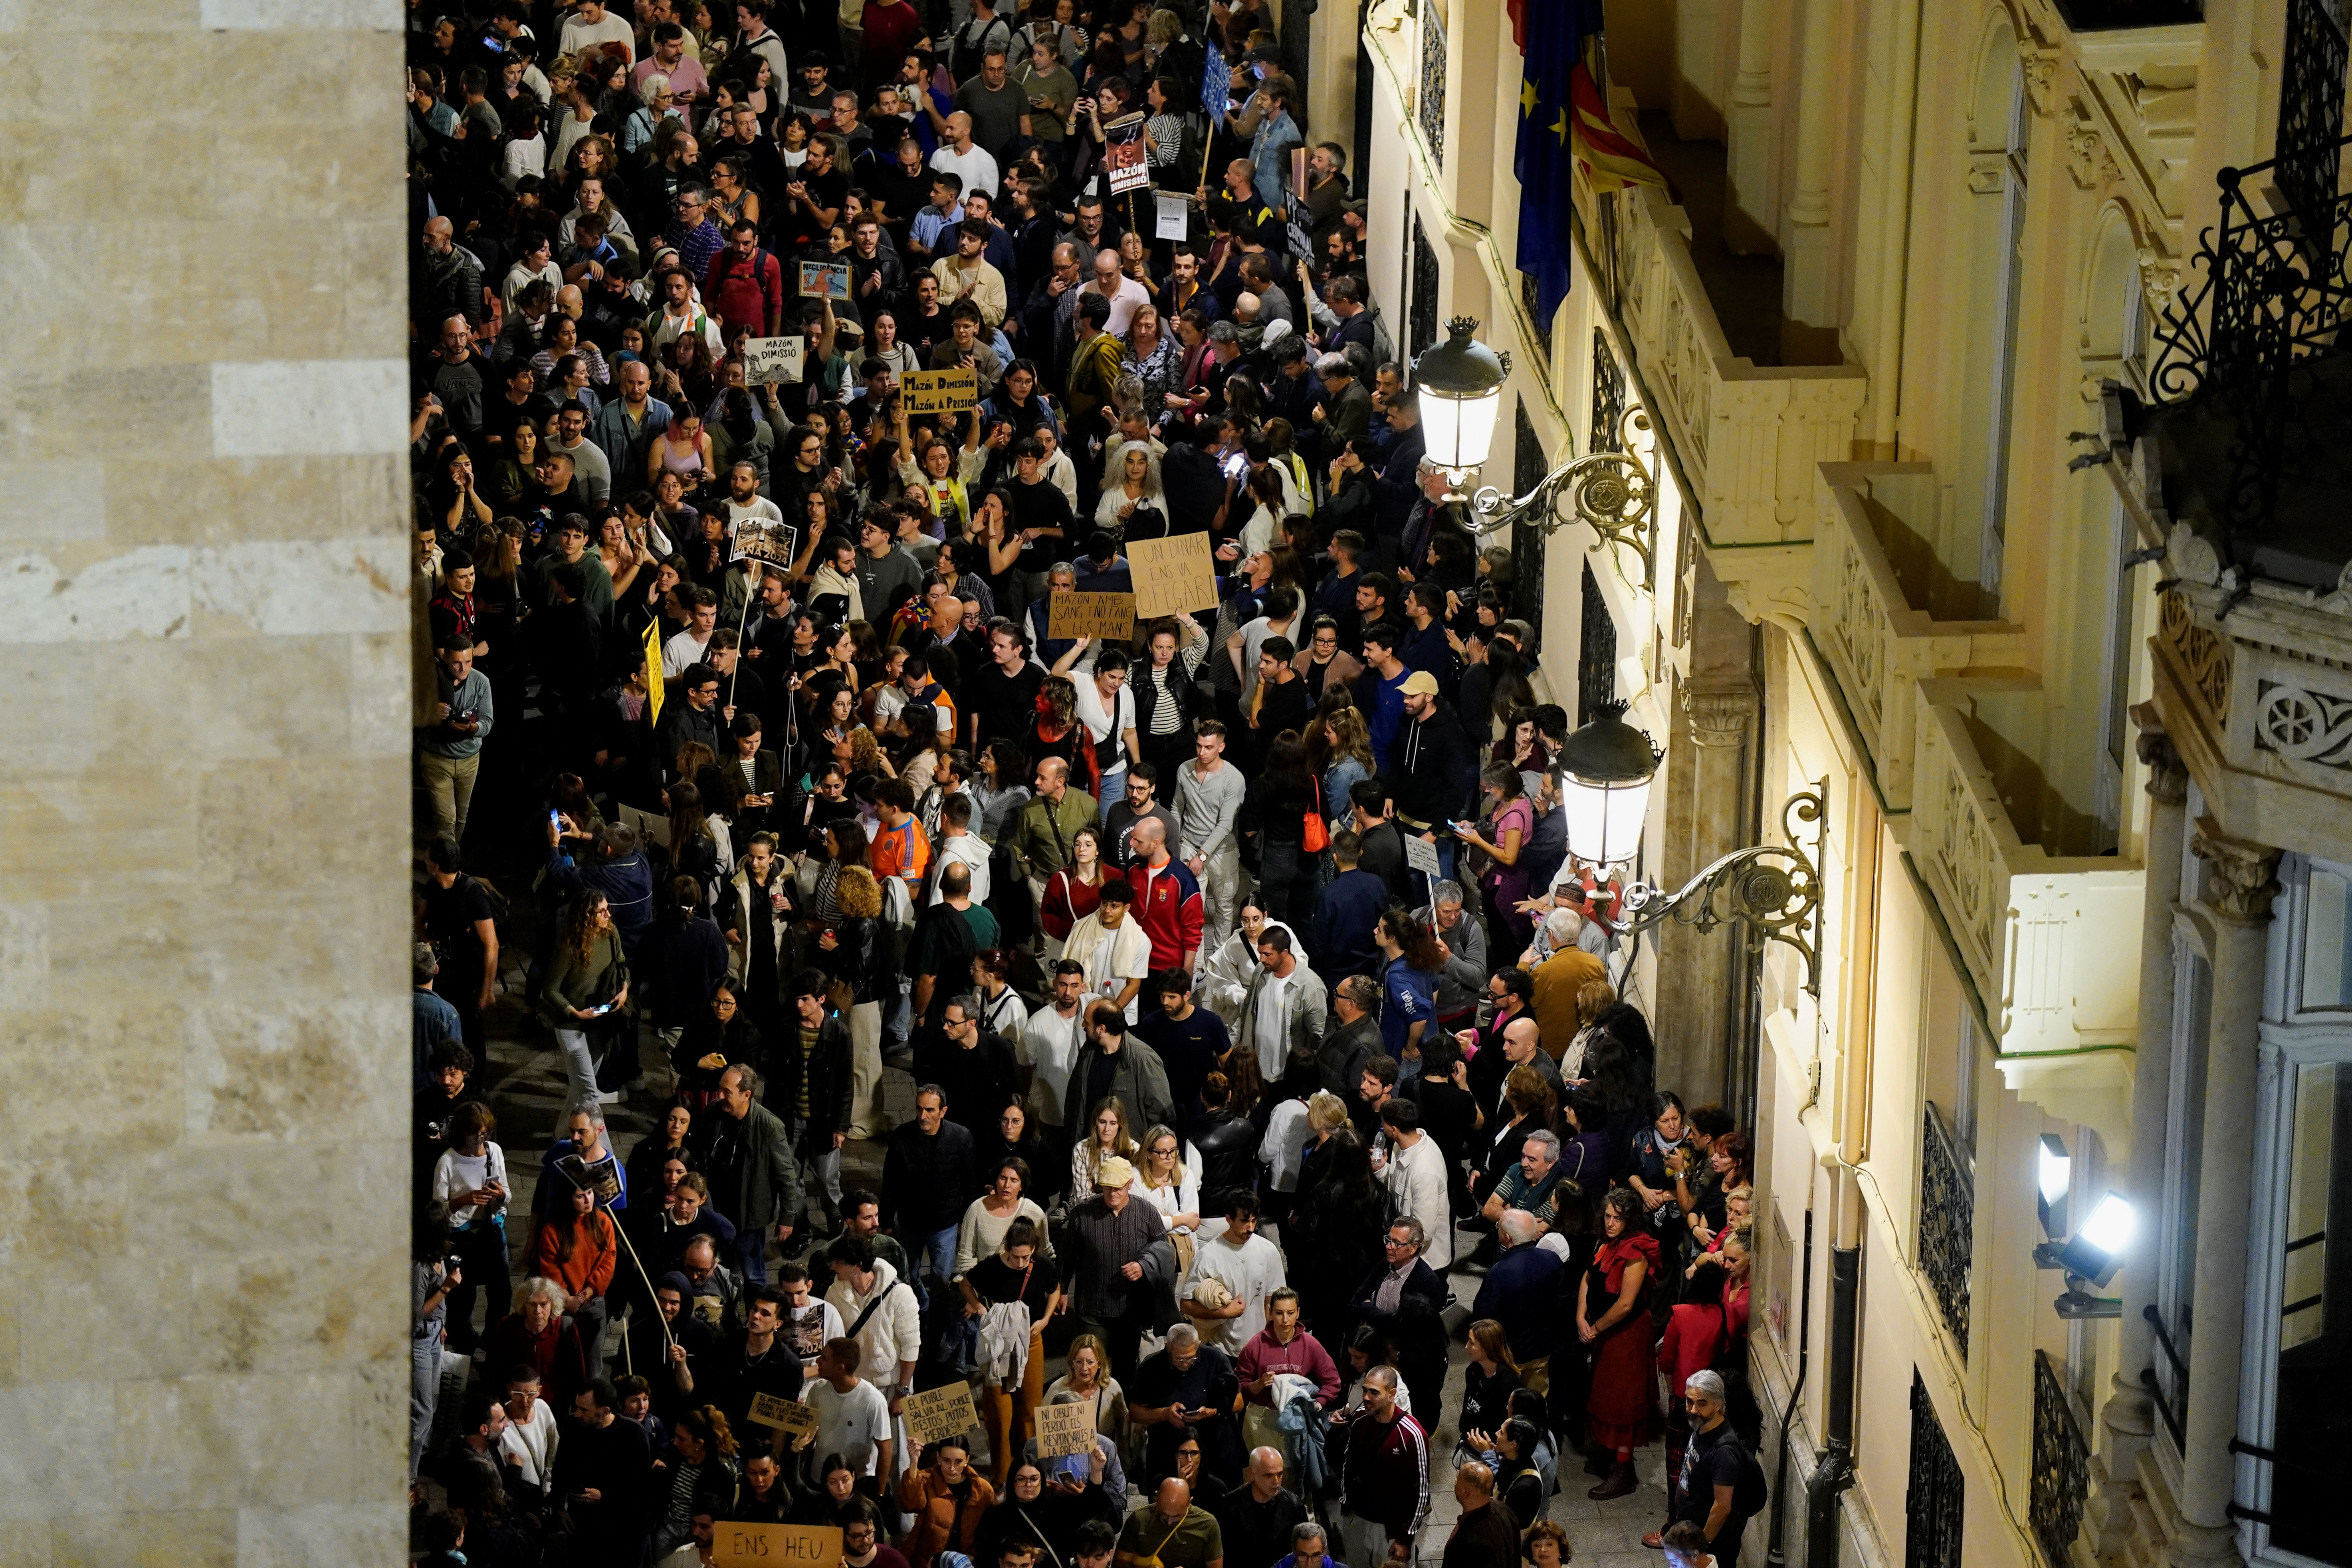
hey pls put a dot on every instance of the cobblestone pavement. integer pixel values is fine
(526, 1085)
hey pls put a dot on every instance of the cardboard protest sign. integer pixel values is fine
(940, 390)
(1107, 618)
(1123, 153)
(1419, 854)
(824, 279)
(939, 1413)
(773, 361)
(1065, 1429)
(776, 1546)
(789, 1415)
(757, 539)
(1172, 576)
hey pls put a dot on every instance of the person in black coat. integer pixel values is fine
(927, 1180)
(1409, 1316)
(814, 1073)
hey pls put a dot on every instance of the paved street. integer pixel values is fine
(526, 1088)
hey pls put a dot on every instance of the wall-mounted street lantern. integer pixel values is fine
(1773, 891)
(1461, 386)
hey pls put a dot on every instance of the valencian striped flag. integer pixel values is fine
(1564, 119)
(653, 651)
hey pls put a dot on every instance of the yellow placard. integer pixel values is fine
(1172, 576)
(940, 390)
(1108, 616)
(939, 1413)
(789, 1414)
(776, 1545)
(1066, 1429)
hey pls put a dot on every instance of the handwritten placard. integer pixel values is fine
(1172, 576)
(824, 279)
(788, 1416)
(759, 539)
(1065, 1430)
(1108, 617)
(1419, 854)
(772, 362)
(776, 1545)
(939, 1413)
(940, 390)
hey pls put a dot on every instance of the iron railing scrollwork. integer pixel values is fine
(2062, 1466)
(2311, 105)
(1935, 1500)
(1947, 1224)
(1421, 305)
(2272, 300)
(1430, 103)
(1527, 469)
(1596, 653)
(1608, 397)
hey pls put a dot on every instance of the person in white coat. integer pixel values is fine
(1412, 1167)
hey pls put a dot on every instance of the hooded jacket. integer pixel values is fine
(1436, 772)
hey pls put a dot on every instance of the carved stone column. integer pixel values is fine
(2128, 1419)
(2240, 880)
(1703, 987)
(1749, 131)
(1805, 249)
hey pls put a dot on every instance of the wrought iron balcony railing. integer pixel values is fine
(1947, 1224)
(2062, 1466)
(2251, 370)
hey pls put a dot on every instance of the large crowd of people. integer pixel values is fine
(1231, 1120)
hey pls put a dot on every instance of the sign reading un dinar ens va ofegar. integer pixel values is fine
(776, 1546)
(1172, 576)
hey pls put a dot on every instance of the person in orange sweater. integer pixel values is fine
(947, 1497)
(575, 1248)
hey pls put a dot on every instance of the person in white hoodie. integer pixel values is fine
(838, 574)
(881, 1311)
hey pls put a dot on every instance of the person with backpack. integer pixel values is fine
(1721, 1485)
(745, 284)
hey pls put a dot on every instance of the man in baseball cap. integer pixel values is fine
(1110, 1235)
(1435, 779)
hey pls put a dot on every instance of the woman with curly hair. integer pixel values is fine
(587, 981)
(1612, 1320)
(849, 950)
(704, 1480)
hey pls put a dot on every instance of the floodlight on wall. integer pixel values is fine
(1772, 890)
(2090, 1257)
(2054, 1175)
(1460, 382)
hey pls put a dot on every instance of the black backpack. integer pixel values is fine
(1750, 1493)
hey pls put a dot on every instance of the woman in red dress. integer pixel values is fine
(1612, 1319)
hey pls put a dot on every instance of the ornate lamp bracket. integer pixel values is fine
(1613, 491)
(1774, 890)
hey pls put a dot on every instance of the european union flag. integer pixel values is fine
(1216, 88)
(1552, 34)
(1564, 121)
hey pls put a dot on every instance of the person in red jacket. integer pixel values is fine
(1696, 1333)
(744, 286)
(1166, 899)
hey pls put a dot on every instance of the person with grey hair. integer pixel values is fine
(1183, 1378)
(1533, 1186)
(1404, 1298)
(753, 1170)
(1344, 414)
(1462, 975)
(1526, 1292)
(1719, 1484)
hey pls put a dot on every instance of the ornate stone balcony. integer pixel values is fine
(1750, 439)
(1862, 618)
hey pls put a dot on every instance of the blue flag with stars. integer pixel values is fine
(1552, 36)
